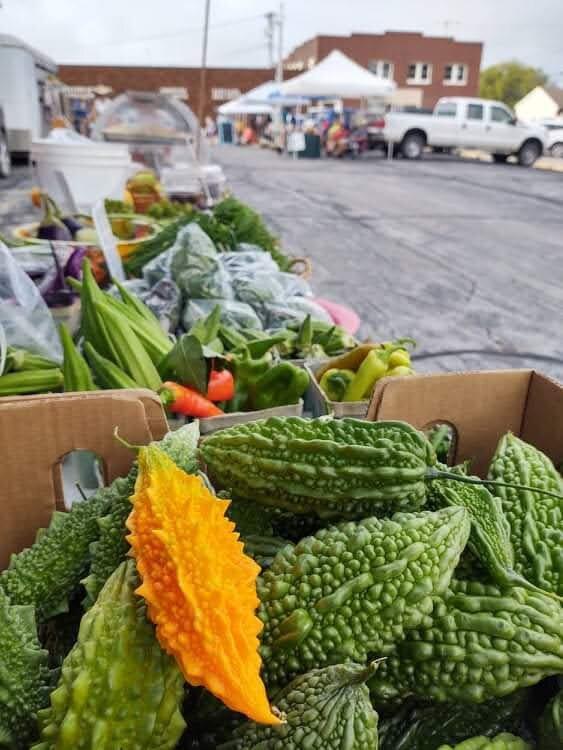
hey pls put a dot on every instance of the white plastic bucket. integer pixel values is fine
(92, 171)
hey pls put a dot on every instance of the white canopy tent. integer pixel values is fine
(271, 93)
(241, 107)
(338, 77)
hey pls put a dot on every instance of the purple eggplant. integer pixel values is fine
(72, 224)
(51, 228)
(73, 266)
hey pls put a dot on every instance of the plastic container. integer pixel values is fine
(93, 171)
(215, 180)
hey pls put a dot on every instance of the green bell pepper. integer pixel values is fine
(283, 384)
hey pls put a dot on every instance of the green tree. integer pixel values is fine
(510, 81)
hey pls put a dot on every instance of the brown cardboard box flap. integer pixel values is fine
(36, 432)
(480, 406)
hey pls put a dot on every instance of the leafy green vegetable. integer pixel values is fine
(186, 363)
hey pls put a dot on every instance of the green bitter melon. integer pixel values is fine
(111, 546)
(118, 689)
(480, 642)
(352, 590)
(426, 726)
(345, 468)
(25, 679)
(503, 741)
(489, 540)
(46, 574)
(536, 520)
(325, 709)
(550, 730)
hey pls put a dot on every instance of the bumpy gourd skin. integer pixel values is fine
(425, 726)
(500, 742)
(110, 549)
(25, 680)
(341, 468)
(117, 689)
(536, 520)
(325, 709)
(46, 574)
(550, 729)
(352, 590)
(480, 642)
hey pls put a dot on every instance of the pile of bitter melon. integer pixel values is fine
(401, 605)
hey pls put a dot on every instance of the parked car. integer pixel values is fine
(5, 163)
(462, 122)
(554, 145)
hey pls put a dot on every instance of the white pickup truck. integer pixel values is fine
(460, 122)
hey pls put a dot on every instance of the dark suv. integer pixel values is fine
(5, 165)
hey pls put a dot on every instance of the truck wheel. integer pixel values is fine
(529, 152)
(557, 150)
(500, 158)
(412, 146)
(5, 163)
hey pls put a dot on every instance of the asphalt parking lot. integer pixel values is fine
(462, 255)
(465, 256)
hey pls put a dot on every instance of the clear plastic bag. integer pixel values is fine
(26, 319)
(163, 299)
(257, 289)
(249, 259)
(292, 310)
(191, 242)
(293, 285)
(233, 313)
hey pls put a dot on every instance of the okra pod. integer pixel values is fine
(107, 373)
(76, 373)
(31, 381)
(131, 355)
(18, 360)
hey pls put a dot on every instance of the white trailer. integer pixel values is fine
(23, 76)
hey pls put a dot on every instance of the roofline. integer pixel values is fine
(142, 66)
(44, 61)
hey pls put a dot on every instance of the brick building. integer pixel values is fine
(223, 84)
(424, 67)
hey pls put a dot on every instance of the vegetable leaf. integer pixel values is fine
(186, 363)
(207, 329)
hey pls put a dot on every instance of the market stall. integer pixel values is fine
(337, 76)
(301, 543)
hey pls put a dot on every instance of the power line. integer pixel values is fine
(178, 32)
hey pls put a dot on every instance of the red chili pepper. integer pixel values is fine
(221, 386)
(182, 400)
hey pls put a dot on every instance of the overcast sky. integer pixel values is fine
(168, 32)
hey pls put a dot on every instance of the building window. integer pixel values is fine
(295, 65)
(222, 95)
(474, 111)
(446, 109)
(381, 68)
(419, 73)
(455, 74)
(311, 62)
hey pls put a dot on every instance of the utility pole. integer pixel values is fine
(203, 78)
(270, 30)
(279, 68)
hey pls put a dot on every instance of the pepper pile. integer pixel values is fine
(353, 376)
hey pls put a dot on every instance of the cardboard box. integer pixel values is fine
(480, 407)
(36, 432)
(319, 403)
(223, 421)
